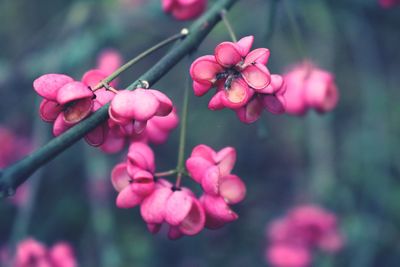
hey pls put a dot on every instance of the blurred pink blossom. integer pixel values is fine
(309, 87)
(31, 253)
(293, 237)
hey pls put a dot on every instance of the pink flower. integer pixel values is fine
(62, 255)
(156, 132)
(304, 228)
(388, 3)
(243, 82)
(184, 9)
(309, 87)
(158, 128)
(66, 102)
(282, 255)
(213, 171)
(31, 253)
(315, 226)
(134, 179)
(132, 109)
(177, 207)
(109, 61)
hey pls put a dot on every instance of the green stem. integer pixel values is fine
(182, 135)
(166, 173)
(142, 55)
(295, 29)
(228, 25)
(16, 174)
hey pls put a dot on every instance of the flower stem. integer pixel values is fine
(14, 175)
(166, 173)
(182, 134)
(228, 25)
(184, 32)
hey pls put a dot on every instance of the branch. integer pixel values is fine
(16, 174)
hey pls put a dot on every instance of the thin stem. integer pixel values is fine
(166, 173)
(295, 29)
(142, 55)
(228, 25)
(16, 174)
(182, 134)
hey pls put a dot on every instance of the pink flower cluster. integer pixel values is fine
(145, 115)
(161, 202)
(31, 253)
(304, 228)
(212, 170)
(309, 87)
(142, 116)
(184, 9)
(243, 82)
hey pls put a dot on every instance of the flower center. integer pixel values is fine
(229, 75)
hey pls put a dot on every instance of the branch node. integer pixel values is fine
(143, 84)
(185, 31)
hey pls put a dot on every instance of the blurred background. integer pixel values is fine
(347, 161)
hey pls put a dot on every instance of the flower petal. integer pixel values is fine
(109, 61)
(218, 208)
(60, 125)
(97, 136)
(120, 177)
(143, 183)
(195, 219)
(174, 233)
(48, 85)
(216, 102)
(232, 189)
(245, 44)
(228, 54)
(128, 199)
(78, 110)
(205, 69)
(147, 160)
(154, 228)
(259, 55)
(201, 89)
(210, 181)
(257, 76)
(153, 206)
(197, 167)
(320, 91)
(250, 112)
(114, 141)
(165, 104)
(276, 85)
(205, 152)
(93, 77)
(237, 95)
(274, 103)
(177, 207)
(49, 110)
(73, 91)
(226, 159)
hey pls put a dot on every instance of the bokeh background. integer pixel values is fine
(347, 161)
